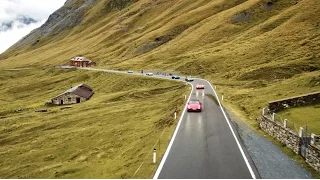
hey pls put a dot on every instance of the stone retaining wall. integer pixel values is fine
(291, 140)
(313, 157)
(284, 135)
(308, 99)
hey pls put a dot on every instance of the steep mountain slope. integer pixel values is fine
(240, 43)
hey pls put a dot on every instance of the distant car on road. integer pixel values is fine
(199, 86)
(130, 72)
(149, 74)
(194, 105)
(175, 77)
(189, 79)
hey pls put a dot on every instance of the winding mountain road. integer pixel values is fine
(204, 145)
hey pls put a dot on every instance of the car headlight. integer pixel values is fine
(199, 107)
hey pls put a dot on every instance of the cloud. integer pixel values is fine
(23, 20)
(18, 31)
(11, 12)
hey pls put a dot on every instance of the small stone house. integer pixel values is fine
(81, 62)
(74, 95)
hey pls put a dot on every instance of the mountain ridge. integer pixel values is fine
(241, 43)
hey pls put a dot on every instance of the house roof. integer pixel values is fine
(80, 91)
(86, 86)
(78, 58)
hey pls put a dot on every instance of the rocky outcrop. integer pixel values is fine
(68, 16)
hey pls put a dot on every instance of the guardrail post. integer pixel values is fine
(222, 97)
(312, 139)
(301, 131)
(185, 97)
(273, 116)
(263, 111)
(285, 123)
(175, 115)
(154, 155)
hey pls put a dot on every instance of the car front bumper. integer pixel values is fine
(194, 110)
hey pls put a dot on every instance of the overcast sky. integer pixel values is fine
(12, 10)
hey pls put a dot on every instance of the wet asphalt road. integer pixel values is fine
(204, 145)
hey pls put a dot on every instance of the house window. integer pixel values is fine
(69, 99)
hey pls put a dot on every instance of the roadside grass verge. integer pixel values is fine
(247, 101)
(108, 136)
(241, 97)
(304, 116)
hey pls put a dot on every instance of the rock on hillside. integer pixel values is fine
(68, 16)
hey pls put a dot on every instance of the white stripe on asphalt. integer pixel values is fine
(234, 135)
(156, 175)
(177, 128)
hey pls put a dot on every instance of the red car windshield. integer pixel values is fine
(194, 102)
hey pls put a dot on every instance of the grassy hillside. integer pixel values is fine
(255, 50)
(108, 136)
(249, 97)
(308, 116)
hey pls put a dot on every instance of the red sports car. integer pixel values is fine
(194, 105)
(200, 86)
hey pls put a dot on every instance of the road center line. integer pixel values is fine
(234, 135)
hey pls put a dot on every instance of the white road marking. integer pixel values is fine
(156, 175)
(234, 135)
(177, 128)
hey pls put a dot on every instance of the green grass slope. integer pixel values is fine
(308, 116)
(108, 136)
(255, 50)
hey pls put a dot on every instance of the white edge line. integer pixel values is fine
(164, 158)
(234, 135)
(177, 128)
(156, 175)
